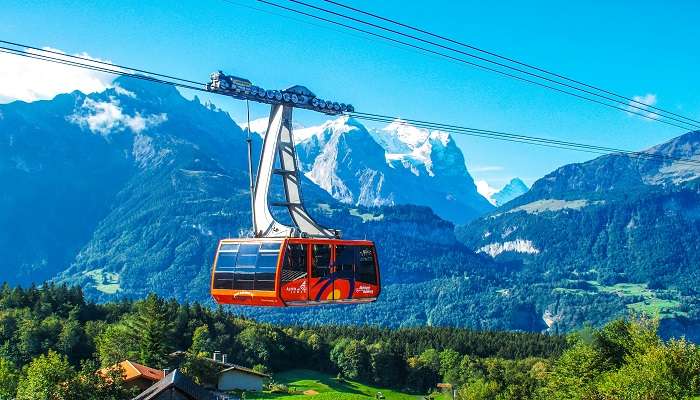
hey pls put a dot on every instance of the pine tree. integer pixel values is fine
(152, 329)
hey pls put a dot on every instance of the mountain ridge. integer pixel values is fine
(383, 167)
(128, 191)
(615, 224)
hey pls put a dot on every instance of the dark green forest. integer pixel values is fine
(53, 341)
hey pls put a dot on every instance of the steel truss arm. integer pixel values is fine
(279, 145)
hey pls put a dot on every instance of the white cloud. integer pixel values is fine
(105, 117)
(486, 168)
(29, 79)
(486, 190)
(648, 99)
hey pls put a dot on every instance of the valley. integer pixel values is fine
(580, 247)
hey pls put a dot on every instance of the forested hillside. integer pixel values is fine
(53, 341)
(598, 239)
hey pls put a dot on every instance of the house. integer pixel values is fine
(176, 386)
(218, 373)
(236, 377)
(136, 375)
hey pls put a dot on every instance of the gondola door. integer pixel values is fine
(322, 276)
(343, 271)
(294, 277)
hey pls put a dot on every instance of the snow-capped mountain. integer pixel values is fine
(399, 164)
(515, 188)
(341, 157)
(420, 151)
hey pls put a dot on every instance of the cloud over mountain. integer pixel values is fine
(30, 80)
(104, 117)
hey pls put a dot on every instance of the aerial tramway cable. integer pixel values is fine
(647, 113)
(491, 53)
(626, 103)
(493, 135)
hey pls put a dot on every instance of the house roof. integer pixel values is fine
(225, 366)
(178, 382)
(134, 370)
(244, 370)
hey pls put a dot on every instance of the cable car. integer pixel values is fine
(298, 263)
(295, 272)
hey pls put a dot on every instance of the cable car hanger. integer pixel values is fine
(300, 264)
(279, 143)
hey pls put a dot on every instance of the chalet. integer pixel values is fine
(176, 386)
(225, 376)
(236, 377)
(137, 375)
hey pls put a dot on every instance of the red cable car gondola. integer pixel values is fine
(289, 265)
(295, 272)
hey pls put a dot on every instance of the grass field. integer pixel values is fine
(649, 304)
(637, 297)
(366, 217)
(105, 282)
(312, 385)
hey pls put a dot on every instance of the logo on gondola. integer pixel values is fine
(301, 289)
(364, 289)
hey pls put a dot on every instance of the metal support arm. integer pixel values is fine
(279, 145)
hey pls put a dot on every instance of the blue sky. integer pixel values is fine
(635, 48)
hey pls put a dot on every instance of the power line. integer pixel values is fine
(481, 58)
(491, 53)
(647, 114)
(532, 140)
(495, 135)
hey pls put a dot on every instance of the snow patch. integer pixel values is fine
(337, 126)
(258, 125)
(508, 192)
(124, 92)
(411, 146)
(516, 246)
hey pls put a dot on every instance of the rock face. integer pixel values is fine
(399, 164)
(342, 159)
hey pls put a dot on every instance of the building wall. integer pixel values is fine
(141, 383)
(232, 380)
